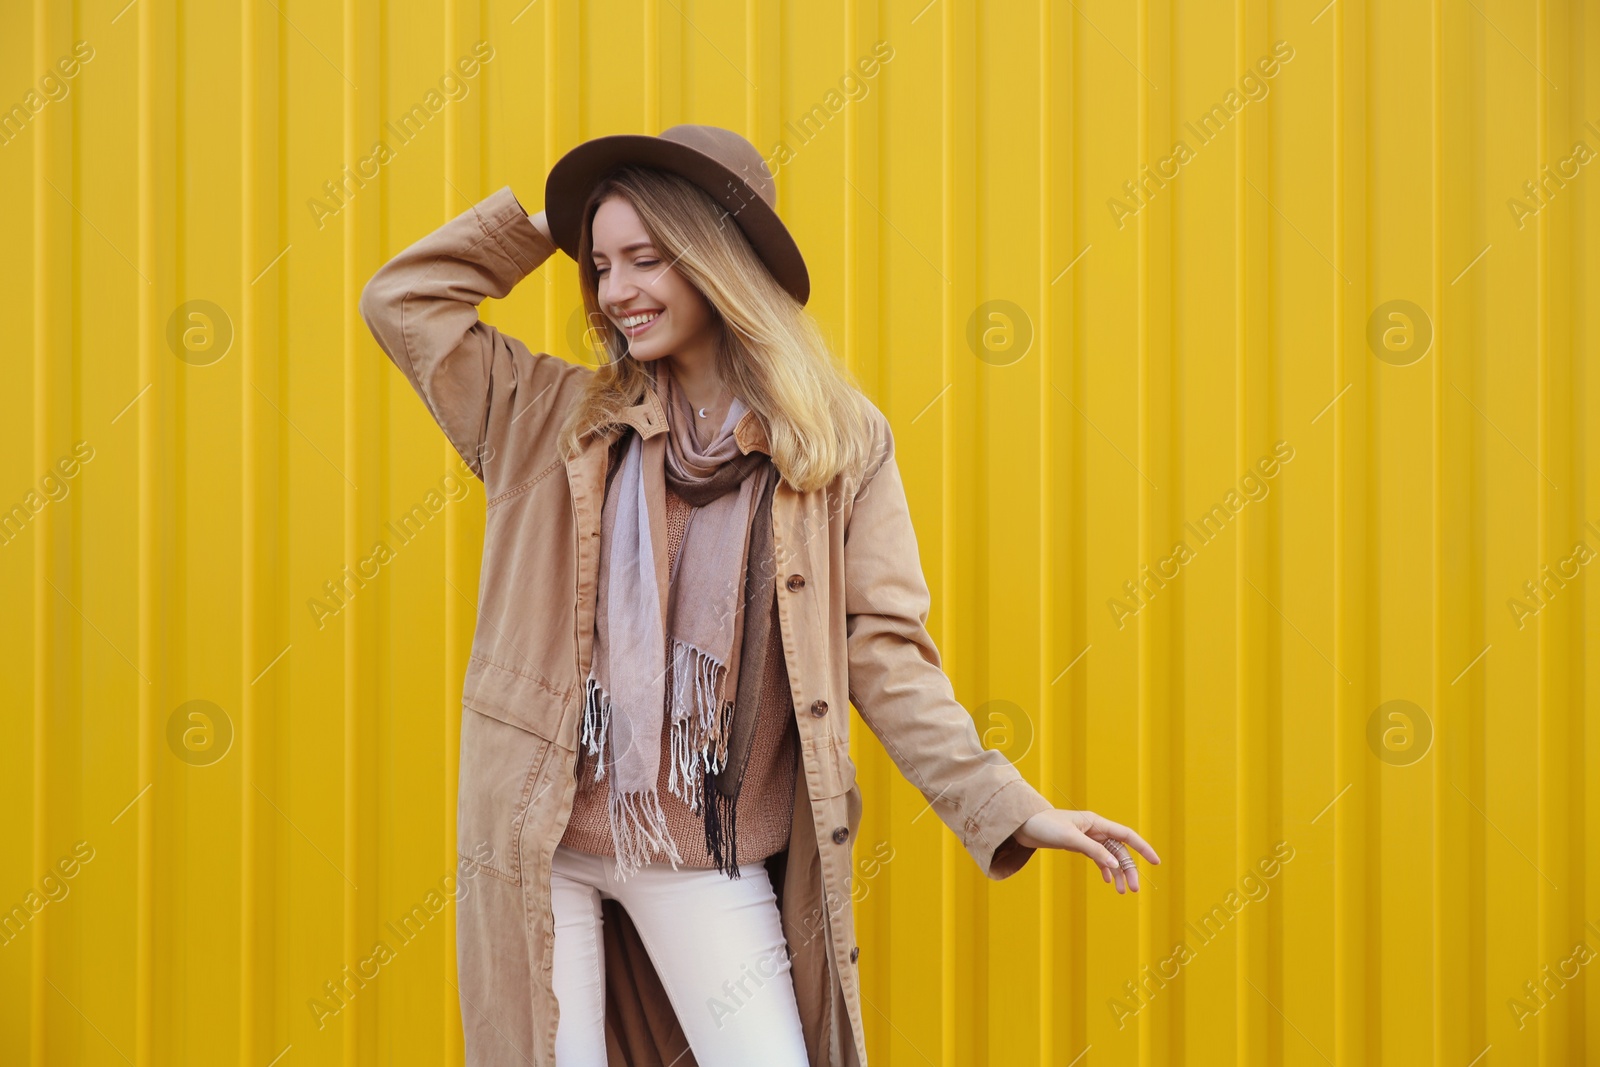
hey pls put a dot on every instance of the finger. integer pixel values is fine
(1123, 833)
(1119, 832)
(1099, 853)
(1127, 867)
(1116, 872)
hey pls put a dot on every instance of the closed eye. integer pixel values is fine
(600, 271)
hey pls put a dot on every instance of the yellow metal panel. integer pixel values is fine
(1241, 359)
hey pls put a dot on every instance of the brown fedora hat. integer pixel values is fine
(725, 165)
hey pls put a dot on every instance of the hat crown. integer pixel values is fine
(724, 165)
(732, 151)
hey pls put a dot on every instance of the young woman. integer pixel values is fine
(695, 554)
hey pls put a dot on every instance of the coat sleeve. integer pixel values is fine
(422, 307)
(902, 692)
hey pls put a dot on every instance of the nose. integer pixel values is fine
(618, 289)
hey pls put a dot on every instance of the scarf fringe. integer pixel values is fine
(698, 754)
(702, 729)
(639, 827)
(721, 831)
(596, 722)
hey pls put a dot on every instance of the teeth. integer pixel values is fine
(638, 320)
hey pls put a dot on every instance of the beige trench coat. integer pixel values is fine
(852, 603)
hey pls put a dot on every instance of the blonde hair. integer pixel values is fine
(774, 357)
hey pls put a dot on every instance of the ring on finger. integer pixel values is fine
(1124, 860)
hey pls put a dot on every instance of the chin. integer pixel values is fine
(651, 348)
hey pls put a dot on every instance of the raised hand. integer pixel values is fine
(541, 224)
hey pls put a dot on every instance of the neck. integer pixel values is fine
(695, 370)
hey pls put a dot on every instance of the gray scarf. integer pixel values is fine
(718, 649)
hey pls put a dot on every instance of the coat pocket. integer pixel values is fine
(501, 769)
(520, 695)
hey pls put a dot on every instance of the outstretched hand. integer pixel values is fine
(1102, 840)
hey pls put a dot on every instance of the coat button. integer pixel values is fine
(840, 833)
(796, 581)
(855, 953)
(819, 708)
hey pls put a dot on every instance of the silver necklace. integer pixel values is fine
(703, 413)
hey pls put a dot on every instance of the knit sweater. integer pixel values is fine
(765, 807)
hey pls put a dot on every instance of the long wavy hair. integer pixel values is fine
(771, 352)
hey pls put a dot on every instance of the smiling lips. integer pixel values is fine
(636, 324)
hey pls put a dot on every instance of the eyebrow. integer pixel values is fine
(632, 247)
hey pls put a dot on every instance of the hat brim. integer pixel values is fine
(575, 174)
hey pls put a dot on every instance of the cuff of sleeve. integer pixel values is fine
(503, 218)
(991, 843)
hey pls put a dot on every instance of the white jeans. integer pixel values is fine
(716, 943)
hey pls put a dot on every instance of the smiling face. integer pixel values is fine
(654, 305)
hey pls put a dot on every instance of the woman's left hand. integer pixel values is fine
(1095, 836)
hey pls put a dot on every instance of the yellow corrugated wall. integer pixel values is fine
(1340, 346)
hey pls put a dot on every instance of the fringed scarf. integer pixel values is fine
(718, 648)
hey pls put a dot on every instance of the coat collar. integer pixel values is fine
(649, 417)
